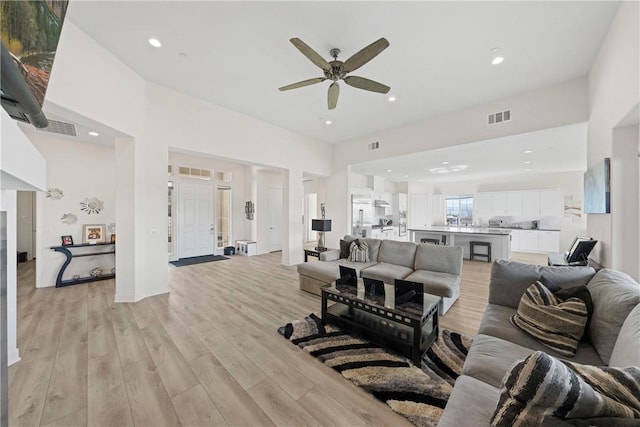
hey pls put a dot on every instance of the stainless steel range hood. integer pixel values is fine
(379, 203)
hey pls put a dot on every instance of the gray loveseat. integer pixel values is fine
(438, 267)
(614, 335)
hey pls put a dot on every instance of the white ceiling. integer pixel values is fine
(237, 54)
(554, 150)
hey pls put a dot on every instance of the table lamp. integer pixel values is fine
(321, 225)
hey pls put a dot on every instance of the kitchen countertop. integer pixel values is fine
(464, 230)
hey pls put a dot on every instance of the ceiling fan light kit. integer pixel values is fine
(337, 70)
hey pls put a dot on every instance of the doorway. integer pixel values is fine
(195, 219)
(275, 215)
(26, 223)
(311, 213)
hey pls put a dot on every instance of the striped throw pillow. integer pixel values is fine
(556, 324)
(359, 251)
(541, 386)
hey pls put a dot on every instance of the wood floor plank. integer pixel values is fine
(150, 403)
(101, 336)
(194, 408)
(44, 342)
(77, 419)
(28, 392)
(67, 392)
(279, 406)
(173, 369)
(107, 401)
(339, 416)
(233, 402)
(129, 341)
(143, 314)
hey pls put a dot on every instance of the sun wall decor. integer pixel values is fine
(69, 218)
(91, 205)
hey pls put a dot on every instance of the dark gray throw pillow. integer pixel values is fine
(344, 248)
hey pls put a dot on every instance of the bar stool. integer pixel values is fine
(473, 253)
(432, 241)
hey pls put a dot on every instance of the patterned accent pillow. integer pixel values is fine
(542, 385)
(556, 324)
(359, 251)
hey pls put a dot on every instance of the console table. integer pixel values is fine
(70, 253)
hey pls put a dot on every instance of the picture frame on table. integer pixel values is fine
(93, 233)
(67, 240)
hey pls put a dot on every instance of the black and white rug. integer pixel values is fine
(197, 260)
(417, 393)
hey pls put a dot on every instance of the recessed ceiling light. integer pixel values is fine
(496, 56)
(388, 170)
(391, 98)
(445, 163)
(527, 163)
(92, 133)
(328, 122)
(528, 152)
(406, 176)
(155, 42)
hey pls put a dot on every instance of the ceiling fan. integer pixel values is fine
(337, 70)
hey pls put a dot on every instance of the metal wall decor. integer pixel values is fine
(91, 205)
(55, 194)
(69, 218)
(249, 209)
(111, 228)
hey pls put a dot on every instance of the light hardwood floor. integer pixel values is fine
(207, 353)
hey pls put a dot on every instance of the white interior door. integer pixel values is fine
(25, 223)
(275, 219)
(195, 207)
(312, 212)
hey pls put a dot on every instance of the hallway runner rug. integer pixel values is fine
(197, 260)
(417, 393)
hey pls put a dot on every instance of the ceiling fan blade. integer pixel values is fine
(311, 54)
(332, 96)
(303, 83)
(366, 84)
(365, 55)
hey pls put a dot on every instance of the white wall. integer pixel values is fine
(266, 180)
(8, 205)
(614, 91)
(80, 170)
(21, 166)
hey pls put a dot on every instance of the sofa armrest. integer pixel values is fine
(330, 255)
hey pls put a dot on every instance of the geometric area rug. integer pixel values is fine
(417, 393)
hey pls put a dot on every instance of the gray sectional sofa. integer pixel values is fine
(614, 336)
(438, 267)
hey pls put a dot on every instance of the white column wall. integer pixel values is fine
(8, 204)
(292, 202)
(125, 224)
(338, 206)
(614, 91)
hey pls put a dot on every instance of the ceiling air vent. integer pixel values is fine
(374, 145)
(502, 116)
(62, 128)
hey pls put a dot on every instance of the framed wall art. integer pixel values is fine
(67, 240)
(93, 233)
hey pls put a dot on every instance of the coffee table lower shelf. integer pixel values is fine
(410, 337)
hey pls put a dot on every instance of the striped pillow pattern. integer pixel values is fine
(359, 251)
(541, 386)
(556, 324)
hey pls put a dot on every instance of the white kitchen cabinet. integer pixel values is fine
(438, 209)
(513, 203)
(515, 240)
(418, 212)
(482, 207)
(400, 202)
(531, 203)
(528, 241)
(498, 204)
(548, 241)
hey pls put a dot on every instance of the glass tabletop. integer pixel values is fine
(414, 308)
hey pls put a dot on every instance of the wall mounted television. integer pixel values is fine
(30, 35)
(597, 189)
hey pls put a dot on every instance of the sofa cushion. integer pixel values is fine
(495, 323)
(490, 358)
(626, 351)
(472, 402)
(439, 258)
(509, 279)
(441, 284)
(388, 273)
(374, 248)
(398, 253)
(542, 385)
(330, 271)
(614, 295)
(555, 324)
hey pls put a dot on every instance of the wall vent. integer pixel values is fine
(374, 145)
(194, 172)
(63, 128)
(502, 116)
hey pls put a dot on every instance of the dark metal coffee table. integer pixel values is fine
(409, 329)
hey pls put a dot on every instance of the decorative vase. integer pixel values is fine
(96, 272)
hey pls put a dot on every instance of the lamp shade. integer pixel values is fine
(321, 224)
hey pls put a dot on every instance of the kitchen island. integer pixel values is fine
(500, 238)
